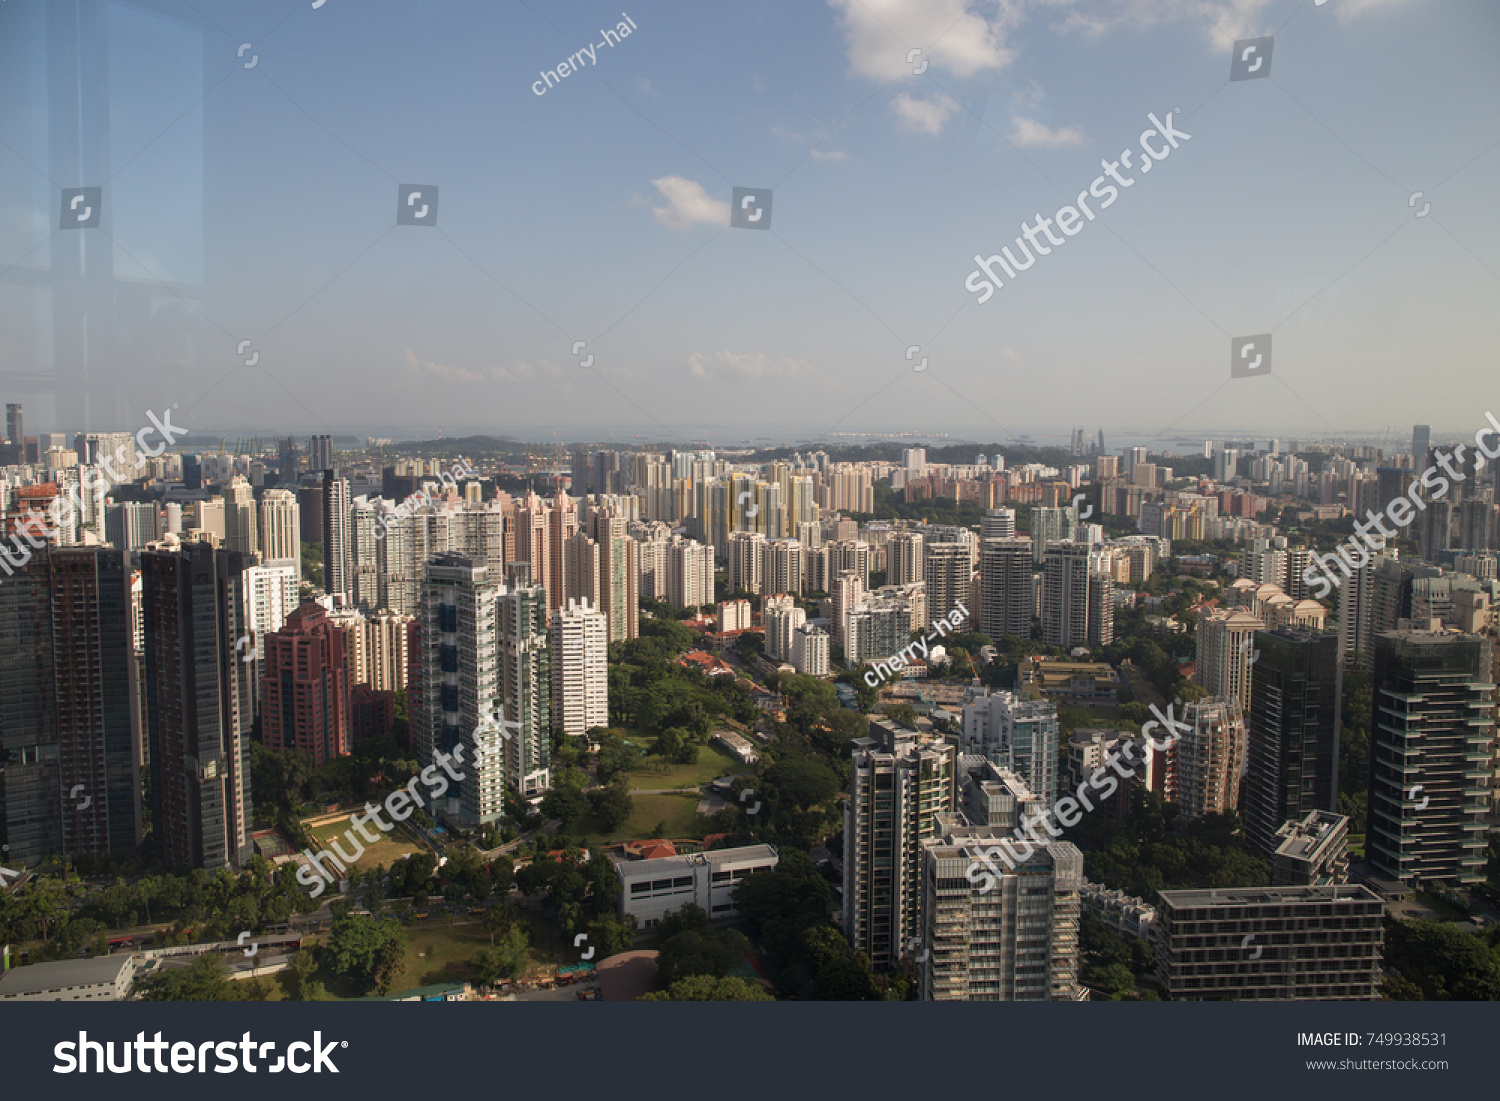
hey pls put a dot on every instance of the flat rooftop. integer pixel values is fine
(1252, 896)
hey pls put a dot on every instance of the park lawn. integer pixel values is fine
(679, 812)
(657, 774)
(390, 848)
(440, 953)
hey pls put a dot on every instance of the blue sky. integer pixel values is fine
(602, 205)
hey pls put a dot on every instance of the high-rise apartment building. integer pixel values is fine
(1208, 757)
(746, 560)
(320, 453)
(780, 617)
(580, 676)
(70, 783)
(526, 682)
(460, 682)
(1017, 940)
(946, 568)
(1292, 761)
(1065, 594)
(1016, 733)
(898, 787)
(241, 527)
(199, 705)
(337, 552)
(1431, 731)
(1051, 525)
(782, 566)
(1261, 943)
(810, 650)
(1006, 591)
(304, 687)
(280, 527)
(690, 573)
(904, 558)
(1226, 649)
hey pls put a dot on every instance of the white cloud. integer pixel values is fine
(950, 35)
(445, 372)
(829, 155)
(747, 366)
(687, 204)
(923, 116)
(1029, 132)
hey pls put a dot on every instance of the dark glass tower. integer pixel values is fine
(1292, 760)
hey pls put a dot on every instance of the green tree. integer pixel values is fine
(368, 950)
(567, 805)
(206, 979)
(507, 959)
(611, 805)
(708, 988)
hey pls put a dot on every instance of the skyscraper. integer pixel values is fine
(1226, 645)
(1018, 734)
(1208, 757)
(70, 783)
(580, 676)
(320, 453)
(1065, 595)
(280, 527)
(1006, 593)
(526, 682)
(199, 704)
(1431, 729)
(904, 558)
(947, 568)
(460, 683)
(304, 688)
(337, 556)
(241, 532)
(1292, 760)
(1421, 441)
(898, 787)
(15, 431)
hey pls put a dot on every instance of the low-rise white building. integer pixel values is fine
(99, 979)
(650, 889)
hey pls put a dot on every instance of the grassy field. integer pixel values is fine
(679, 812)
(390, 848)
(657, 774)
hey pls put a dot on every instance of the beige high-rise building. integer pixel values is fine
(240, 527)
(580, 677)
(1208, 757)
(1226, 650)
(746, 558)
(782, 567)
(380, 646)
(280, 526)
(690, 573)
